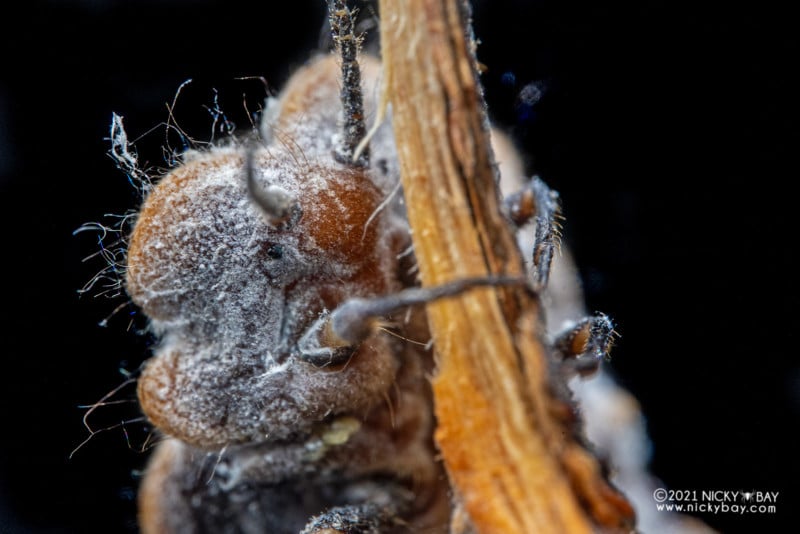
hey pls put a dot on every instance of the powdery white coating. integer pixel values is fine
(230, 294)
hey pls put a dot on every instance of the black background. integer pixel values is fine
(666, 128)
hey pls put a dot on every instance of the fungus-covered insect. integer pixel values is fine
(291, 375)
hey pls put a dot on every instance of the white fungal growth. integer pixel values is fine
(112, 247)
(231, 292)
(112, 236)
(125, 156)
(238, 256)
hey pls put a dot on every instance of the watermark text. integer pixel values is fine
(716, 501)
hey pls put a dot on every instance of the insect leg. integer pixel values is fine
(538, 201)
(342, 20)
(354, 519)
(582, 346)
(333, 338)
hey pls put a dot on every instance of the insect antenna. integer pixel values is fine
(342, 21)
(276, 203)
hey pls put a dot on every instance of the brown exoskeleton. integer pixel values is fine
(291, 376)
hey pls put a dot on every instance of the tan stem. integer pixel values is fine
(500, 441)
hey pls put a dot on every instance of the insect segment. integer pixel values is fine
(540, 202)
(272, 269)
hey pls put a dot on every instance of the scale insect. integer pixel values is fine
(290, 379)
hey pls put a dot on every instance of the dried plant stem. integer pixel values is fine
(504, 449)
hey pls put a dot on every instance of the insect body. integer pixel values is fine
(273, 270)
(232, 293)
